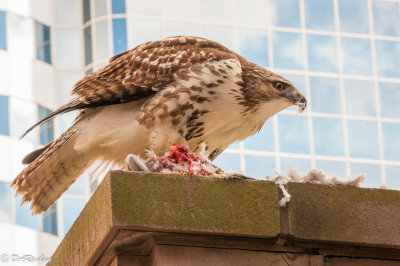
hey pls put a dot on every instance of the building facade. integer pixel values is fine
(343, 55)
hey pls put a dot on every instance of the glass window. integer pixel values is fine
(251, 12)
(322, 53)
(393, 177)
(43, 43)
(101, 42)
(47, 129)
(211, 10)
(390, 99)
(3, 35)
(68, 48)
(23, 114)
(119, 35)
(288, 50)
(6, 197)
(359, 97)
(285, 13)
(228, 162)
(88, 45)
(141, 31)
(223, 35)
(260, 166)
(50, 220)
(319, 15)
(391, 140)
(253, 45)
(100, 8)
(387, 58)
(71, 209)
(303, 165)
(78, 187)
(332, 168)
(68, 12)
(24, 215)
(148, 8)
(118, 6)
(177, 28)
(372, 173)
(263, 140)
(363, 139)
(4, 113)
(20, 36)
(328, 136)
(356, 56)
(353, 16)
(289, 142)
(386, 18)
(325, 95)
(86, 10)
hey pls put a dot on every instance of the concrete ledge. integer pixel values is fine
(153, 219)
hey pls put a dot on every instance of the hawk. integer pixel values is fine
(182, 90)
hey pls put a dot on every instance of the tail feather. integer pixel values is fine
(58, 166)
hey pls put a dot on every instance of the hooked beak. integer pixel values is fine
(301, 103)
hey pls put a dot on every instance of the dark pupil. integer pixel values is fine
(279, 86)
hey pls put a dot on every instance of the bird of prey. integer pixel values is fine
(182, 90)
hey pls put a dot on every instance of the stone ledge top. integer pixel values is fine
(317, 217)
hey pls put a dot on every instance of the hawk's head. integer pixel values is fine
(263, 86)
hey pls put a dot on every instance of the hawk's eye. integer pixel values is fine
(279, 86)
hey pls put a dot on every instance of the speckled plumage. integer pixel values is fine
(182, 90)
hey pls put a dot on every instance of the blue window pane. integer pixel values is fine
(303, 165)
(6, 196)
(71, 209)
(325, 95)
(223, 35)
(390, 99)
(4, 113)
(78, 188)
(228, 162)
(253, 45)
(3, 35)
(288, 50)
(263, 140)
(46, 129)
(356, 56)
(118, 6)
(50, 220)
(387, 58)
(372, 173)
(293, 134)
(391, 140)
(328, 136)
(285, 13)
(359, 97)
(332, 168)
(43, 43)
(363, 139)
(386, 18)
(319, 14)
(88, 45)
(24, 215)
(322, 53)
(119, 33)
(393, 177)
(260, 166)
(86, 10)
(353, 16)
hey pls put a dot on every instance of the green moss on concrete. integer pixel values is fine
(344, 214)
(195, 204)
(88, 231)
